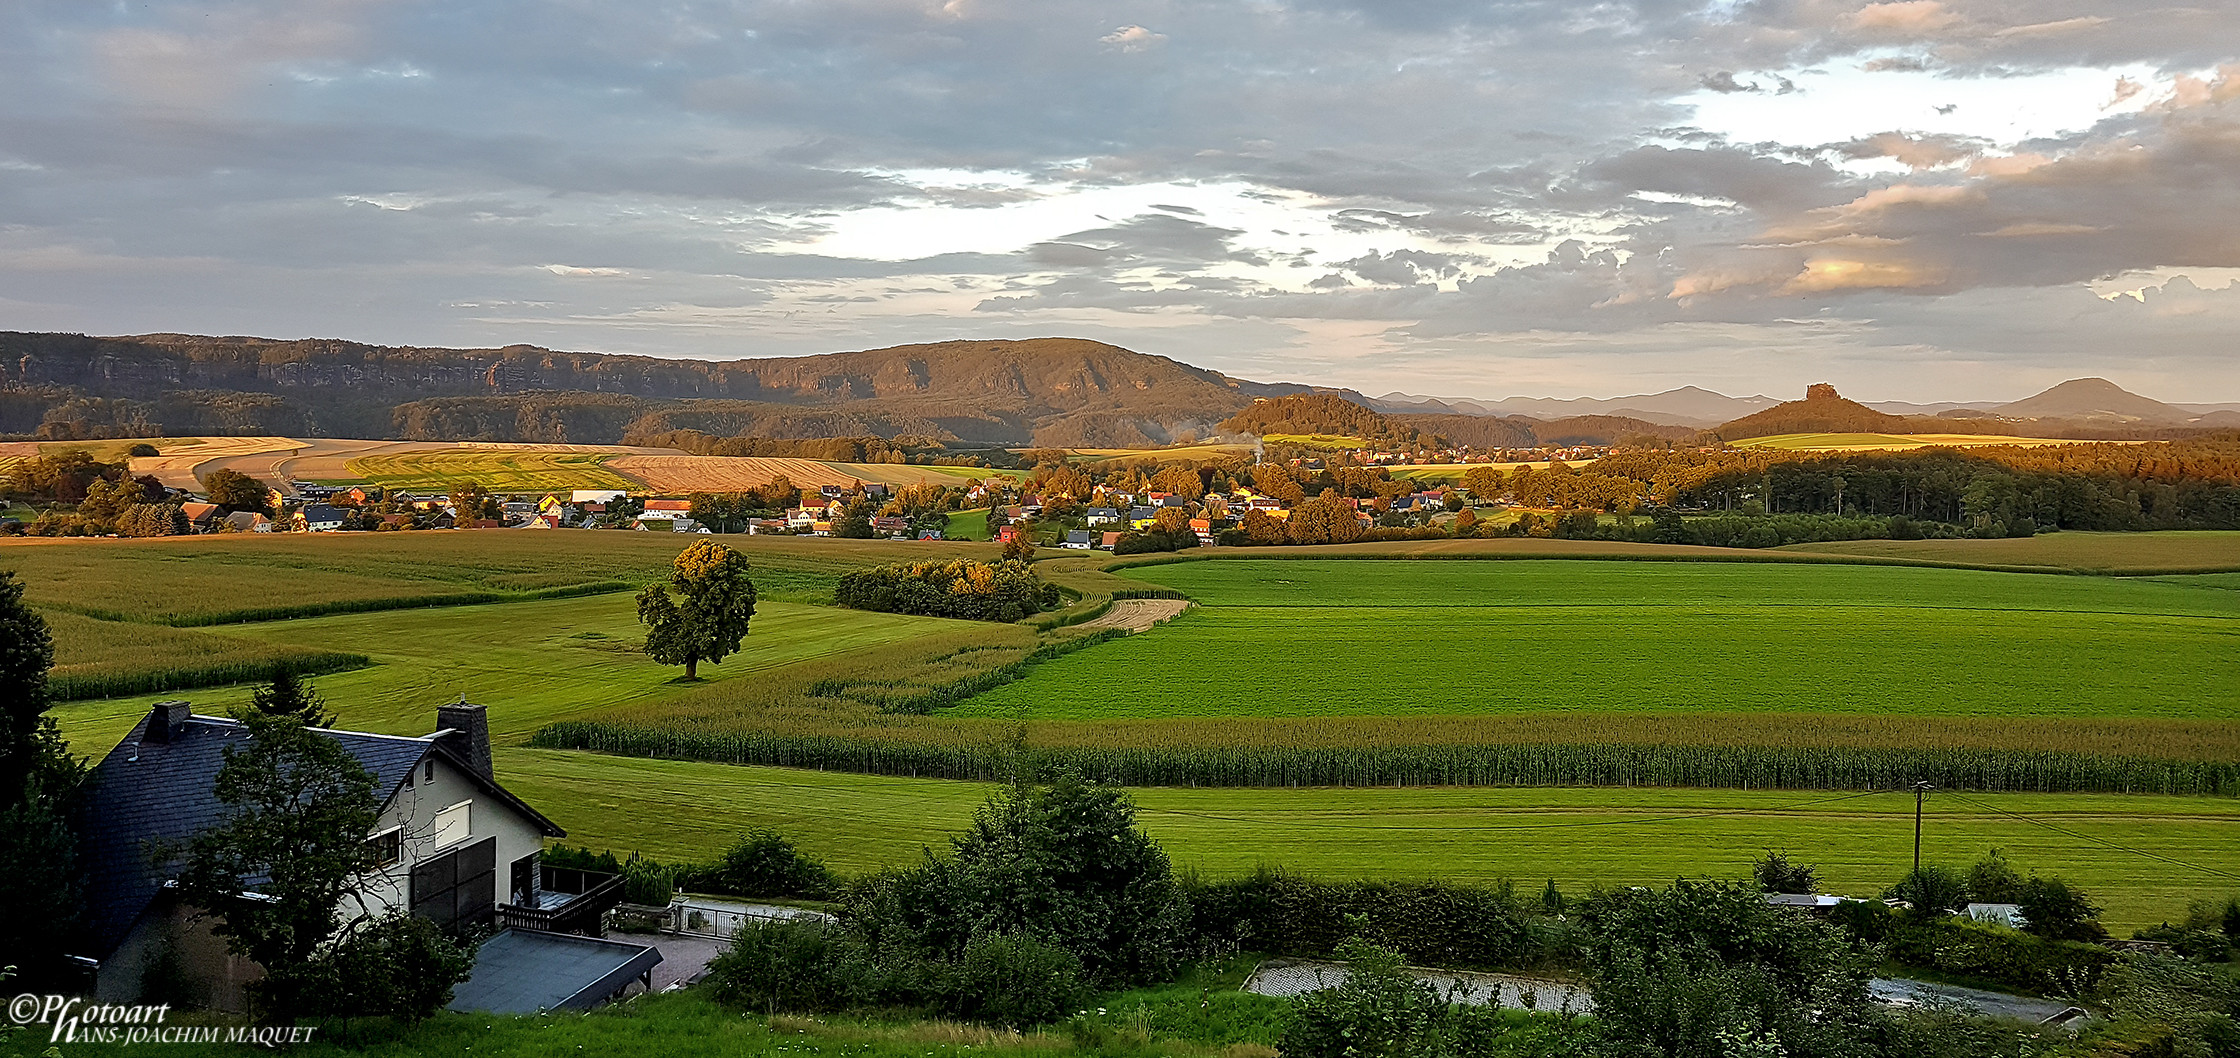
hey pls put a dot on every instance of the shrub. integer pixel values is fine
(791, 967)
(979, 591)
(1709, 968)
(1382, 1012)
(1956, 945)
(763, 863)
(1015, 981)
(1931, 889)
(1994, 881)
(2056, 910)
(397, 966)
(1435, 923)
(647, 883)
(1776, 874)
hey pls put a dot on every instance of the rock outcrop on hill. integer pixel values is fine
(1060, 391)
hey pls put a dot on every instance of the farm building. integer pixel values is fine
(202, 516)
(454, 846)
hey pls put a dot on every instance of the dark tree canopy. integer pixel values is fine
(299, 810)
(291, 697)
(236, 491)
(717, 605)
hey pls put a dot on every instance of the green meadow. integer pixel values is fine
(1582, 838)
(530, 662)
(1312, 638)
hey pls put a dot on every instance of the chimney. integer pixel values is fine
(166, 720)
(466, 729)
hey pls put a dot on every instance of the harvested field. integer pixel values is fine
(183, 460)
(680, 474)
(1137, 615)
(512, 470)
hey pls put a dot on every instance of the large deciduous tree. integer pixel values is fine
(717, 604)
(299, 810)
(236, 491)
(39, 886)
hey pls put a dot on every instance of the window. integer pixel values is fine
(429, 769)
(388, 847)
(453, 824)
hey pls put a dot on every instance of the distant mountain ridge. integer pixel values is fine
(1066, 392)
(1686, 406)
(1049, 391)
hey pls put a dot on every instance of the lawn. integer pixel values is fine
(682, 810)
(967, 525)
(498, 471)
(2120, 553)
(530, 662)
(1316, 638)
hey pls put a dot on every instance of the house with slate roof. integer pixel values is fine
(451, 844)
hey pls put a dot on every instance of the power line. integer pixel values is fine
(1516, 826)
(2097, 840)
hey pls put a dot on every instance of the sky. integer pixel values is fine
(1915, 200)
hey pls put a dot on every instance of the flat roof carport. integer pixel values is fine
(524, 971)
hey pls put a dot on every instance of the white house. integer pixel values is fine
(451, 845)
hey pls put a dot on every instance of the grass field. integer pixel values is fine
(1274, 639)
(2119, 553)
(1340, 658)
(967, 525)
(1580, 837)
(214, 579)
(1890, 442)
(530, 662)
(501, 471)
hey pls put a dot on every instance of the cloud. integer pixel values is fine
(1401, 185)
(1904, 19)
(1132, 39)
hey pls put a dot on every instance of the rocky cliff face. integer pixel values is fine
(1076, 390)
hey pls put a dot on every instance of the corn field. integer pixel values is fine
(1733, 767)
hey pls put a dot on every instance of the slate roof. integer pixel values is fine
(147, 796)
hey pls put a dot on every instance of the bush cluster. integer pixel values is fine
(1433, 923)
(1050, 895)
(976, 591)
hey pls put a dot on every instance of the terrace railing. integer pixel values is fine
(589, 896)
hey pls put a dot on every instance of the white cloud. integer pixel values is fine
(1132, 38)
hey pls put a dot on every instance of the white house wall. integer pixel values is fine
(415, 808)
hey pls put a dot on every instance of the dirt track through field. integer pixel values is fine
(1137, 615)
